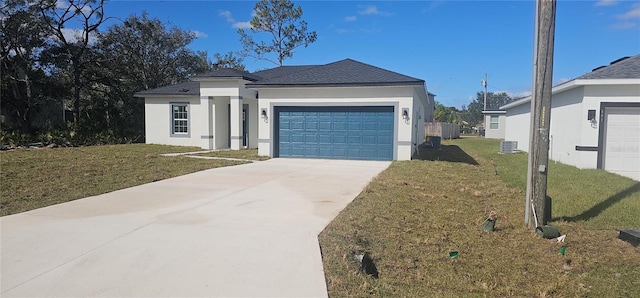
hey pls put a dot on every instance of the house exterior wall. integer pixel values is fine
(420, 105)
(157, 111)
(570, 129)
(498, 133)
(398, 97)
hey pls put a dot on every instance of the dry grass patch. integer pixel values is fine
(416, 212)
(37, 178)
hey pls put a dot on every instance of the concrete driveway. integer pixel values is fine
(242, 231)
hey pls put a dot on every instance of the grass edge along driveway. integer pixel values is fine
(35, 178)
(414, 214)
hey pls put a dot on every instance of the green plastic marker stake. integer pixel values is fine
(453, 254)
(563, 249)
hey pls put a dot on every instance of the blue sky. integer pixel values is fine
(449, 44)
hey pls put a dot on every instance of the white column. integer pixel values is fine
(236, 122)
(207, 132)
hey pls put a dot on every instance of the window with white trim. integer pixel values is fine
(180, 118)
(494, 122)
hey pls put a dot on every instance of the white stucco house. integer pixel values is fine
(341, 110)
(495, 124)
(595, 119)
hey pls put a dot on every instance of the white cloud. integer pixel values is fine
(227, 15)
(516, 95)
(372, 10)
(241, 25)
(75, 35)
(634, 13)
(234, 24)
(199, 34)
(350, 18)
(624, 25)
(64, 5)
(606, 2)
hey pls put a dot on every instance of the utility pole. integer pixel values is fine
(540, 112)
(484, 83)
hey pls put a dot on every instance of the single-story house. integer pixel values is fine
(595, 119)
(341, 110)
(495, 124)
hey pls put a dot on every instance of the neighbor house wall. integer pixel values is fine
(569, 128)
(517, 125)
(498, 133)
(398, 97)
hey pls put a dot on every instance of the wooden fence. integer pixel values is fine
(443, 130)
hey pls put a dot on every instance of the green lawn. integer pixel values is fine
(413, 214)
(37, 178)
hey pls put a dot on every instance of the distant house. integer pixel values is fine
(495, 124)
(341, 110)
(595, 119)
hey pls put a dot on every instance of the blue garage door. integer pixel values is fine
(335, 132)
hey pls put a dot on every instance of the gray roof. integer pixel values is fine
(623, 68)
(341, 73)
(282, 71)
(228, 73)
(184, 88)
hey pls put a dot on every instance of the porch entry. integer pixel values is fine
(245, 125)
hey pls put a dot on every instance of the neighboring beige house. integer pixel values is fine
(341, 110)
(495, 124)
(595, 119)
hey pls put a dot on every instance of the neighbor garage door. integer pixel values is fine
(335, 132)
(622, 142)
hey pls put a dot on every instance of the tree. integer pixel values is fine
(228, 60)
(281, 20)
(445, 114)
(27, 92)
(73, 44)
(142, 53)
(473, 112)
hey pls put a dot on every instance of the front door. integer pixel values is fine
(245, 125)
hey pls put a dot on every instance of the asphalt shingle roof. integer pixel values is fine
(341, 73)
(627, 68)
(282, 71)
(184, 88)
(228, 73)
(346, 72)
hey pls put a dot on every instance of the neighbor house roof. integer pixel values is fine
(625, 70)
(184, 88)
(341, 73)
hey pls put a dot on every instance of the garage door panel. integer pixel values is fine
(622, 141)
(336, 132)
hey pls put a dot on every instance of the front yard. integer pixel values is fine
(36, 178)
(409, 218)
(415, 213)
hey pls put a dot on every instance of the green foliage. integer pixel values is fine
(473, 112)
(445, 114)
(280, 20)
(228, 60)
